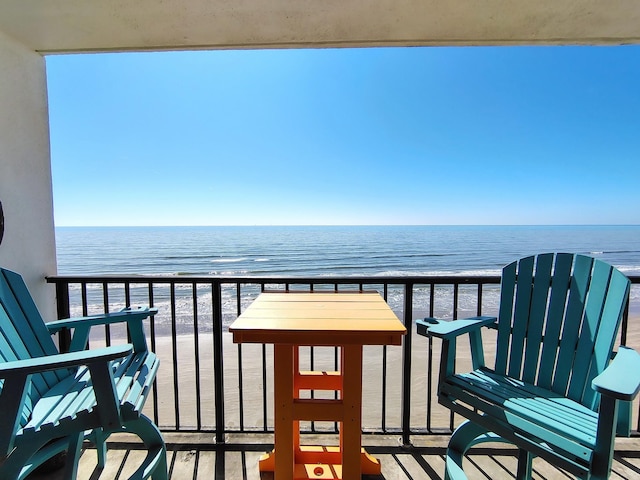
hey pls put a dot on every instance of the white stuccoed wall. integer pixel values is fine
(28, 246)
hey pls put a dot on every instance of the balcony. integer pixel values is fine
(213, 399)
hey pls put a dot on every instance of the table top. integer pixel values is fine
(319, 318)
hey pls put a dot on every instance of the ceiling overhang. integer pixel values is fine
(53, 26)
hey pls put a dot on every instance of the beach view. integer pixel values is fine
(184, 329)
(194, 181)
(295, 240)
(324, 171)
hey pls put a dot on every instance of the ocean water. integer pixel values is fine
(329, 251)
(324, 251)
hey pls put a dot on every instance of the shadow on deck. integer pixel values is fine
(195, 456)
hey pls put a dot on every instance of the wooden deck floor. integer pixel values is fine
(193, 456)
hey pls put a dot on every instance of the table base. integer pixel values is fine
(320, 462)
(294, 461)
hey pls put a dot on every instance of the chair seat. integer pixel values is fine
(530, 414)
(74, 397)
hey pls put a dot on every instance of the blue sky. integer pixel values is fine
(511, 135)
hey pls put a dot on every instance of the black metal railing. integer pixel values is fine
(208, 384)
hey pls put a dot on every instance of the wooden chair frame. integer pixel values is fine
(554, 391)
(51, 401)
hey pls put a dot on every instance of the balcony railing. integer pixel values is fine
(208, 384)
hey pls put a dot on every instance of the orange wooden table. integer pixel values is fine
(345, 320)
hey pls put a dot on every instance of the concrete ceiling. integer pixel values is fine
(50, 26)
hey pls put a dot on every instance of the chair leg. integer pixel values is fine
(12, 467)
(155, 463)
(100, 439)
(605, 438)
(73, 456)
(524, 465)
(465, 436)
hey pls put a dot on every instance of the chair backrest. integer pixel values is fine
(24, 335)
(558, 321)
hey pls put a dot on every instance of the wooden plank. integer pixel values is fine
(584, 351)
(530, 433)
(520, 315)
(308, 312)
(144, 382)
(555, 318)
(528, 398)
(292, 319)
(350, 432)
(318, 409)
(539, 297)
(126, 371)
(17, 300)
(61, 401)
(206, 464)
(505, 316)
(26, 331)
(16, 330)
(321, 339)
(317, 380)
(318, 296)
(183, 465)
(573, 318)
(283, 407)
(615, 302)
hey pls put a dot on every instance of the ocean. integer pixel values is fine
(330, 251)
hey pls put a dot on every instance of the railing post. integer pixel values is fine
(218, 372)
(62, 304)
(406, 365)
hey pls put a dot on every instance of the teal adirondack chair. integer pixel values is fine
(553, 392)
(51, 401)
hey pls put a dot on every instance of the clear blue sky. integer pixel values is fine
(518, 135)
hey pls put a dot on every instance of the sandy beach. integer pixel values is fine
(253, 389)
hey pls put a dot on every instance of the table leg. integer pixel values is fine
(284, 425)
(296, 394)
(351, 431)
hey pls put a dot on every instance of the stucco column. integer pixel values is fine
(28, 245)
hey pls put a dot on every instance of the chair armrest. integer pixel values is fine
(432, 327)
(82, 326)
(621, 378)
(63, 360)
(124, 315)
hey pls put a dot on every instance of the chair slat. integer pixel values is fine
(567, 419)
(542, 428)
(537, 314)
(555, 314)
(129, 371)
(521, 315)
(14, 349)
(600, 276)
(143, 384)
(507, 291)
(616, 299)
(55, 403)
(27, 333)
(573, 318)
(83, 397)
(33, 329)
